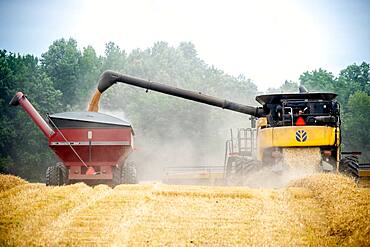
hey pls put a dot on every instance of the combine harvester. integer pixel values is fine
(298, 132)
(290, 132)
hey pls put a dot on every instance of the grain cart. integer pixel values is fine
(92, 147)
(296, 131)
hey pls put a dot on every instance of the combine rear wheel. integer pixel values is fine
(128, 175)
(56, 175)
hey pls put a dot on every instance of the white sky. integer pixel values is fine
(268, 41)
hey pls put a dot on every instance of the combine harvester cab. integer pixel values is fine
(93, 147)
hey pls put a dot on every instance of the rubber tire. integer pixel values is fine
(53, 176)
(65, 172)
(116, 176)
(128, 173)
(56, 175)
(344, 165)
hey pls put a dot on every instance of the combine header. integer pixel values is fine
(199, 175)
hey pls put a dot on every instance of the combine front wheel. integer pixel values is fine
(348, 165)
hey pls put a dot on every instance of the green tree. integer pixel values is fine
(90, 69)
(356, 124)
(318, 80)
(115, 58)
(23, 147)
(7, 132)
(62, 64)
(352, 79)
(287, 87)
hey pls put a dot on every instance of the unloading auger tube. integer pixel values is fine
(108, 78)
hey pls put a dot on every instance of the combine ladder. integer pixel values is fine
(240, 155)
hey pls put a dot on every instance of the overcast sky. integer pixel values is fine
(267, 41)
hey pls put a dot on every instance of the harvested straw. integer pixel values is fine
(8, 181)
(321, 210)
(346, 206)
(305, 159)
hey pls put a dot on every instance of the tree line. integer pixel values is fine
(64, 77)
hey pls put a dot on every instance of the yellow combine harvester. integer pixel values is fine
(297, 132)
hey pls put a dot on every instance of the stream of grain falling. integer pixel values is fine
(94, 102)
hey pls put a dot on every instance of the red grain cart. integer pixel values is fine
(93, 147)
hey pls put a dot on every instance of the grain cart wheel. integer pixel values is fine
(128, 175)
(56, 175)
(116, 171)
(64, 171)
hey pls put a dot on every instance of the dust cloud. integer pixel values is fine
(159, 147)
(266, 178)
(297, 163)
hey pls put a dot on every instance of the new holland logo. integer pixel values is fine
(301, 135)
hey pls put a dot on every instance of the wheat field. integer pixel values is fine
(320, 210)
